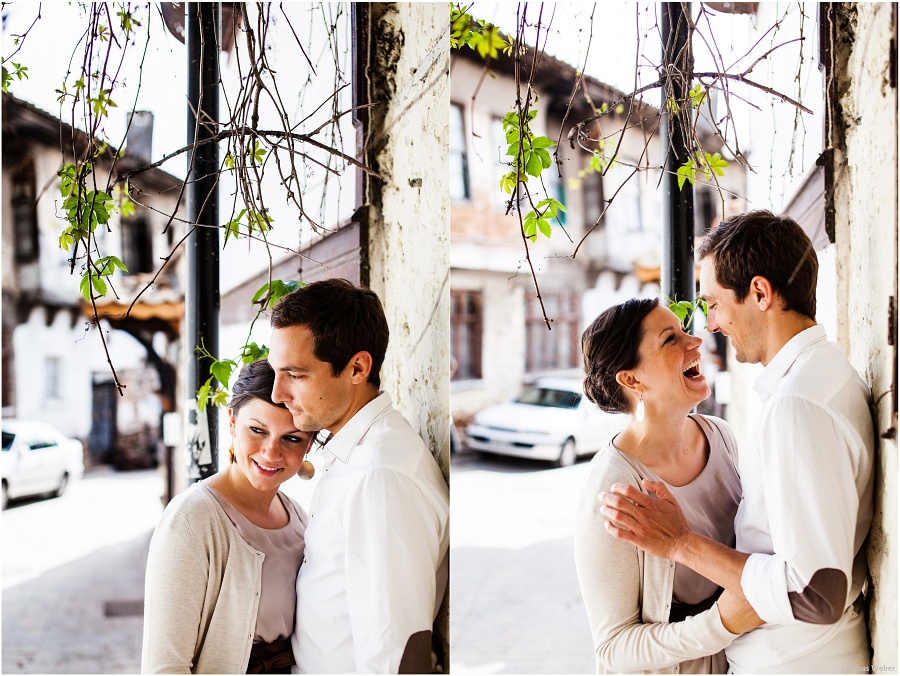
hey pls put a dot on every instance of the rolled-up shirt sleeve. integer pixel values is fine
(812, 505)
(393, 550)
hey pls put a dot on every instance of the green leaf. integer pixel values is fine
(545, 158)
(544, 227)
(687, 171)
(529, 227)
(533, 163)
(219, 398)
(508, 182)
(698, 95)
(203, 395)
(66, 240)
(716, 163)
(222, 370)
(85, 286)
(126, 208)
(252, 352)
(99, 285)
(542, 142)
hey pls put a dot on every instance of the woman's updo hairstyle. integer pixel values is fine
(255, 381)
(609, 345)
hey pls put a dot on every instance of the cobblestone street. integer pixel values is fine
(73, 575)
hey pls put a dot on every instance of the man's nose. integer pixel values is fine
(278, 391)
(711, 325)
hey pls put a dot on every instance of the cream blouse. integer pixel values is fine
(283, 549)
(627, 593)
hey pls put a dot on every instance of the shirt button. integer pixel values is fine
(305, 559)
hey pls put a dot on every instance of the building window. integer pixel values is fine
(137, 246)
(592, 193)
(556, 349)
(459, 164)
(52, 374)
(25, 213)
(465, 334)
(9, 373)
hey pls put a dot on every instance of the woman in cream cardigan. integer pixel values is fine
(646, 613)
(220, 588)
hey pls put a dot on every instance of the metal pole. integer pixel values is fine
(202, 293)
(677, 274)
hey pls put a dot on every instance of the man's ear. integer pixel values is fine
(628, 381)
(761, 293)
(360, 366)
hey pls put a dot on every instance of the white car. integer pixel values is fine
(552, 420)
(37, 459)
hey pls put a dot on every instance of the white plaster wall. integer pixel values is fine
(82, 356)
(866, 240)
(409, 238)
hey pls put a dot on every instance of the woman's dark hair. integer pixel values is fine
(255, 381)
(343, 318)
(609, 345)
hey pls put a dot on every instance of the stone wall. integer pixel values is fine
(408, 219)
(865, 200)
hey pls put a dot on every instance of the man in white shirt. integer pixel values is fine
(806, 473)
(375, 567)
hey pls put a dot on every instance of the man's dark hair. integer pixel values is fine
(609, 345)
(774, 247)
(255, 381)
(343, 318)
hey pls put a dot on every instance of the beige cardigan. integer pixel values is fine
(202, 590)
(628, 593)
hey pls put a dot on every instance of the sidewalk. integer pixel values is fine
(69, 565)
(55, 624)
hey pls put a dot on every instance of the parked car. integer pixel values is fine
(37, 459)
(552, 420)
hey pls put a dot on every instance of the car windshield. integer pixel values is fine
(547, 396)
(8, 438)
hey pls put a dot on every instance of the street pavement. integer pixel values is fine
(515, 606)
(64, 560)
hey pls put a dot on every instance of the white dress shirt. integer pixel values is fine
(807, 481)
(376, 564)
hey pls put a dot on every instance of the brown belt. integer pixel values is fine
(682, 611)
(271, 658)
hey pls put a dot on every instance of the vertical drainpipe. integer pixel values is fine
(677, 274)
(202, 293)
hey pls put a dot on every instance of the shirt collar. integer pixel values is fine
(340, 445)
(781, 363)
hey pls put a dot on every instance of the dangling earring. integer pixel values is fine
(307, 469)
(639, 412)
(231, 458)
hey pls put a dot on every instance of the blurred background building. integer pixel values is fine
(53, 370)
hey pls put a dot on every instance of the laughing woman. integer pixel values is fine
(648, 614)
(222, 568)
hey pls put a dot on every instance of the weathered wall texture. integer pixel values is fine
(866, 238)
(408, 250)
(408, 230)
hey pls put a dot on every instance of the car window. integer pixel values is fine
(41, 442)
(546, 396)
(8, 439)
